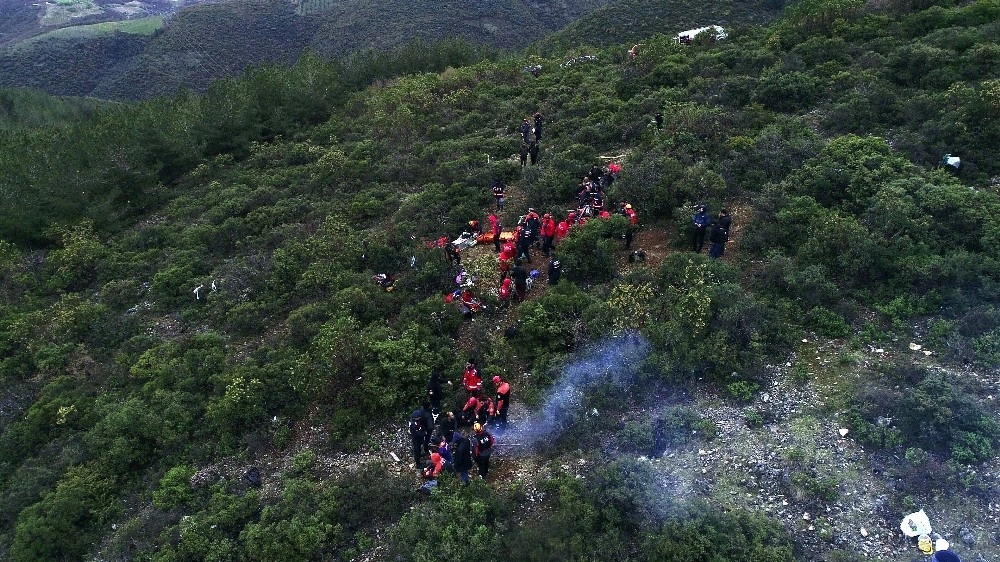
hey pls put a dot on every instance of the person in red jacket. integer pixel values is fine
(471, 379)
(548, 233)
(504, 293)
(562, 229)
(470, 411)
(506, 258)
(433, 468)
(502, 402)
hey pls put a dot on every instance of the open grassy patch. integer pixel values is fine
(63, 12)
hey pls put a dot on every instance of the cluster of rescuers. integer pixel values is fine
(438, 434)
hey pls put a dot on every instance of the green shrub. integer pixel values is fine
(743, 391)
(175, 488)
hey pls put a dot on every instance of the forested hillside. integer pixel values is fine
(143, 58)
(196, 362)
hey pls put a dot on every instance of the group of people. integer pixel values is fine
(717, 231)
(446, 442)
(530, 146)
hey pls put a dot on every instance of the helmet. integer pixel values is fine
(496, 379)
(477, 427)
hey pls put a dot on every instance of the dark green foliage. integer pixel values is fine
(928, 411)
(288, 189)
(716, 536)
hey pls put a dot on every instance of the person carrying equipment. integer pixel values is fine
(482, 448)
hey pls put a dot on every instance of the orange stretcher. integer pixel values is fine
(488, 237)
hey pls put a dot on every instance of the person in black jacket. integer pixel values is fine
(719, 235)
(533, 152)
(461, 449)
(555, 271)
(520, 277)
(420, 432)
(524, 155)
(482, 449)
(434, 392)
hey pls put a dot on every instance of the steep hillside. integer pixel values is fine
(200, 358)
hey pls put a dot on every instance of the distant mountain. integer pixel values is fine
(147, 54)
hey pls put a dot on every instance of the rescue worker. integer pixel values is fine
(524, 155)
(498, 193)
(548, 233)
(461, 449)
(562, 229)
(525, 130)
(434, 467)
(470, 411)
(502, 402)
(482, 449)
(504, 293)
(495, 229)
(538, 129)
(486, 410)
(471, 379)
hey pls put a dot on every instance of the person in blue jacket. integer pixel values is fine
(699, 224)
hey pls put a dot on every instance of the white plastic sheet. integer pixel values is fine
(916, 524)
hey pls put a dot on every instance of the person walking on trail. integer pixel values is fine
(482, 449)
(533, 152)
(471, 379)
(524, 155)
(461, 450)
(719, 235)
(419, 432)
(526, 131)
(538, 127)
(699, 224)
(502, 402)
(498, 192)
